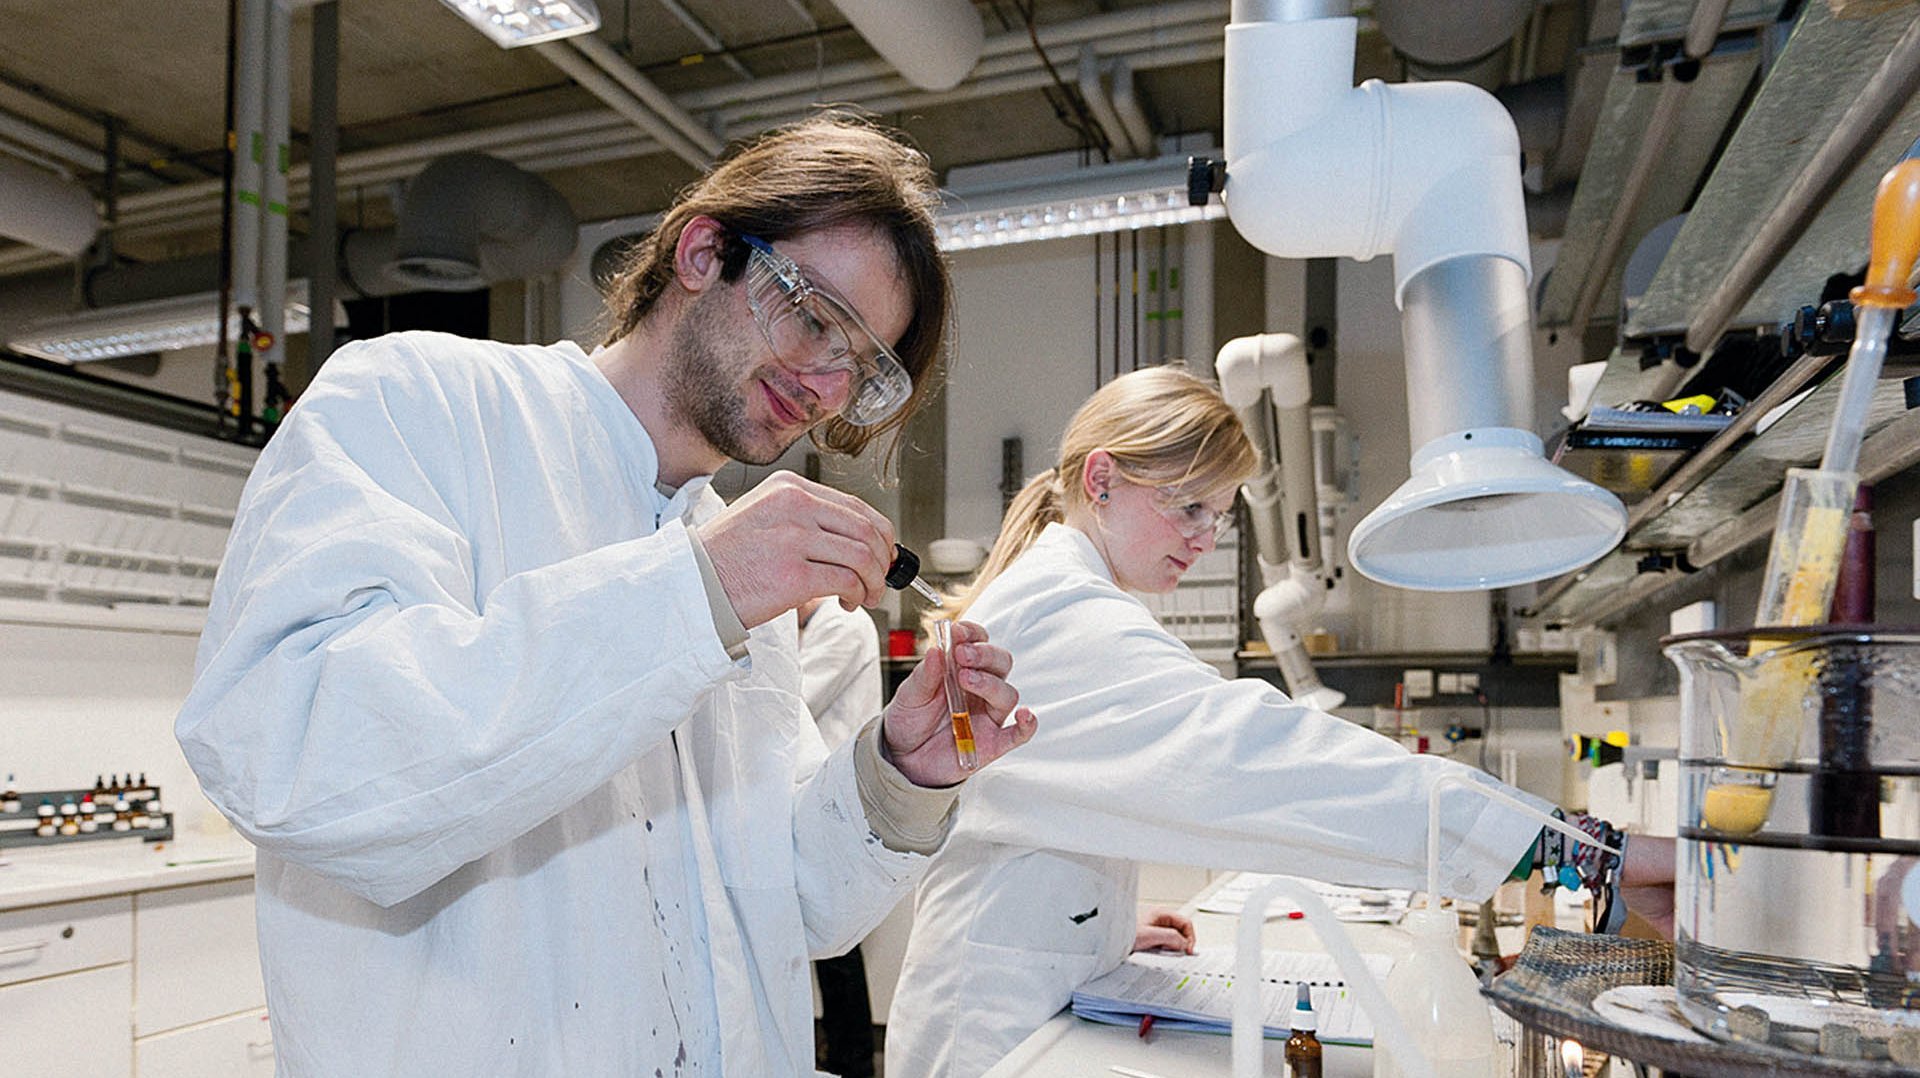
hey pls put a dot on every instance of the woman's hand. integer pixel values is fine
(918, 727)
(1164, 930)
(1646, 881)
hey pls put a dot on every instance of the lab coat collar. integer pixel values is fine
(1074, 542)
(639, 458)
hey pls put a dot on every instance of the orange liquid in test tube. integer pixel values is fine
(956, 699)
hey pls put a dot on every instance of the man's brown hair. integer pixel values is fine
(831, 170)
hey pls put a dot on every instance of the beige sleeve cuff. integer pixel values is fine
(733, 632)
(905, 818)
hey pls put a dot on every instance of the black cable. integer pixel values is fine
(1088, 127)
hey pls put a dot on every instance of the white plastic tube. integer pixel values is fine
(1249, 1021)
(1318, 167)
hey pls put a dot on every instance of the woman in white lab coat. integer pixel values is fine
(1146, 753)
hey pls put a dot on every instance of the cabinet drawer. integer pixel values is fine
(196, 957)
(70, 1025)
(41, 941)
(237, 1047)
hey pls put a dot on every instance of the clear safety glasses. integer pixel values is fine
(1191, 518)
(811, 332)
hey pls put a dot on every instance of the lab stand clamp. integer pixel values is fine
(56, 817)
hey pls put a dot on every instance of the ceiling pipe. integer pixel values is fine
(1124, 32)
(45, 211)
(707, 38)
(1133, 117)
(602, 134)
(601, 85)
(934, 43)
(1703, 29)
(1094, 93)
(1848, 139)
(621, 70)
(60, 148)
(1449, 35)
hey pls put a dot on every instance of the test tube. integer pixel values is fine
(956, 700)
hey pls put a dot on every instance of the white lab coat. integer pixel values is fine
(1143, 753)
(460, 684)
(840, 670)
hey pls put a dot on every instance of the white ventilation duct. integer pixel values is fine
(1430, 174)
(43, 210)
(468, 219)
(934, 43)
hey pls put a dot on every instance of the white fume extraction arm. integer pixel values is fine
(1264, 378)
(1429, 173)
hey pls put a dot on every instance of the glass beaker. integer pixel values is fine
(1798, 888)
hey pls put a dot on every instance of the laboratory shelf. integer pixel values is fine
(1725, 499)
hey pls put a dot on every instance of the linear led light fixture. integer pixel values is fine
(133, 329)
(1052, 203)
(513, 23)
(1072, 217)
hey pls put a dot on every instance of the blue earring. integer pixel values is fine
(1103, 497)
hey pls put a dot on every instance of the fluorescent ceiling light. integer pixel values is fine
(1055, 219)
(1052, 203)
(133, 329)
(512, 23)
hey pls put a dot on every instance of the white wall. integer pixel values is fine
(77, 702)
(1024, 363)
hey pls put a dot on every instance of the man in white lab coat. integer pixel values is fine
(508, 699)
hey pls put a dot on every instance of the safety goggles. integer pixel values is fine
(1191, 518)
(811, 332)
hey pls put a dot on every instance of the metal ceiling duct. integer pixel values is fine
(1452, 41)
(44, 210)
(469, 218)
(934, 43)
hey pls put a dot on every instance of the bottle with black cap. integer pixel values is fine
(905, 573)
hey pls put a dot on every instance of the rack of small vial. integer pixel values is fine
(115, 807)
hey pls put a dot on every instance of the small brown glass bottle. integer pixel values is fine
(1303, 1048)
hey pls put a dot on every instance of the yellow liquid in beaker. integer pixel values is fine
(1737, 808)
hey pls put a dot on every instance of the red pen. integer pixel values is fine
(1146, 1025)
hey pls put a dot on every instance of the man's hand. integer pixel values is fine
(789, 540)
(1164, 930)
(919, 728)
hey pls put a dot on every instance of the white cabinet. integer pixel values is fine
(237, 1047)
(40, 941)
(196, 957)
(75, 1023)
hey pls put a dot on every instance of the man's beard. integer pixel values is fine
(705, 384)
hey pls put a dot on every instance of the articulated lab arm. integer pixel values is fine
(1265, 379)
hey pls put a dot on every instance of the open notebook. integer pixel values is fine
(1195, 992)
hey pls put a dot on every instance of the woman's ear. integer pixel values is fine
(696, 257)
(1097, 476)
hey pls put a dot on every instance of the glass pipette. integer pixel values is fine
(905, 573)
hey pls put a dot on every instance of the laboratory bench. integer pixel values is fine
(136, 959)
(1070, 1047)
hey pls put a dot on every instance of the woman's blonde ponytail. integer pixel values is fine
(1040, 503)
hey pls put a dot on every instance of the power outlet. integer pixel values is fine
(1419, 684)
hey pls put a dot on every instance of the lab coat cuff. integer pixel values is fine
(905, 818)
(1486, 853)
(726, 620)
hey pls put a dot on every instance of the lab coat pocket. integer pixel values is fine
(1045, 903)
